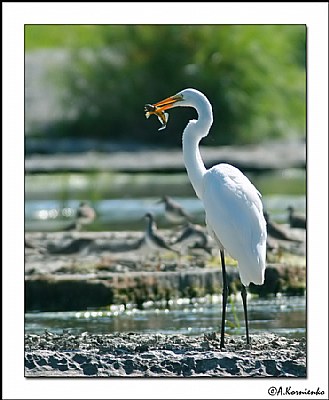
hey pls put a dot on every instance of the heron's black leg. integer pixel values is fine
(244, 300)
(225, 294)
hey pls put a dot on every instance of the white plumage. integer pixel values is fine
(233, 207)
(234, 217)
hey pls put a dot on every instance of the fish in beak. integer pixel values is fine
(159, 109)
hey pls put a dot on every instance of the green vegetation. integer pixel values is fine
(254, 75)
(65, 36)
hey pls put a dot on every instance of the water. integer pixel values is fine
(281, 315)
(121, 200)
(127, 214)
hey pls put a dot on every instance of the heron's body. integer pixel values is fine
(234, 211)
(234, 218)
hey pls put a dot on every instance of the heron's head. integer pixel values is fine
(184, 98)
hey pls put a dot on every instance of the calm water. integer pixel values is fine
(282, 315)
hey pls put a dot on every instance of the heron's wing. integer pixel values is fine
(234, 212)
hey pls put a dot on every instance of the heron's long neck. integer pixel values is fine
(193, 161)
(192, 135)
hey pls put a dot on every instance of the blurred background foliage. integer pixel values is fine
(254, 76)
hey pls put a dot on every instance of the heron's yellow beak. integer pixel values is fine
(167, 103)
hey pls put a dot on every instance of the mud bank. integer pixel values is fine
(135, 355)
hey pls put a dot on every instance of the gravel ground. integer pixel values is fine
(136, 355)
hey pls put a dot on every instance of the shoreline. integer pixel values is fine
(143, 355)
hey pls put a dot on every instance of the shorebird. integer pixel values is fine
(276, 231)
(174, 212)
(85, 215)
(296, 220)
(193, 236)
(152, 239)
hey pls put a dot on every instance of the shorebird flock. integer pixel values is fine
(189, 236)
(186, 237)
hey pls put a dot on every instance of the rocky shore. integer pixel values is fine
(109, 268)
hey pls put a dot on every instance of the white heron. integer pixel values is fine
(233, 207)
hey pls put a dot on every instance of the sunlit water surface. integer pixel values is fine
(282, 315)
